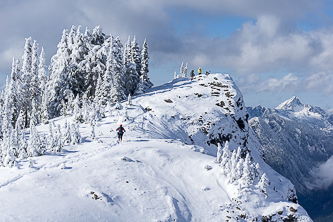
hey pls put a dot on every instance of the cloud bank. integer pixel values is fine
(269, 48)
(323, 177)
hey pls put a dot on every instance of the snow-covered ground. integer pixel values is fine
(162, 171)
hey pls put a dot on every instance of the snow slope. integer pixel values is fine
(165, 170)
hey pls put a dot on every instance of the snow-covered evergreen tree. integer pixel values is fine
(44, 113)
(185, 70)
(225, 162)
(117, 90)
(75, 134)
(35, 90)
(77, 113)
(51, 138)
(99, 89)
(8, 108)
(42, 71)
(181, 72)
(219, 153)
(26, 79)
(35, 147)
(248, 174)
(85, 109)
(59, 144)
(34, 116)
(108, 77)
(129, 100)
(8, 157)
(263, 183)
(12, 91)
(21, 140)
(98, 36)
(67, 135)
(144, 83)
(135, 56)
(59, 71)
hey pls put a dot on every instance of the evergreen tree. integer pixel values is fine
(225, 162)
(21, 140)
(135, 56)
(42, 71)
(8, 158)
(67, 135)
(97, 68)
(107, 82)
(75, 133)
(117, 90)
(185, 70)
(87, 35)
(52, 138)
(59, 140)
(35, 90)
(181, 72)
(44, 114)
(219, 153)
(248, 174)
(144, 82)
(34, 144)
(98, 36)
(79, 63)
(34, 113)
(8, 108)
(263, 184)
(77, 113)
(13, 92)
(132, 66)
(129, 100)
(59, 71)
(26, 78)
(99, 89)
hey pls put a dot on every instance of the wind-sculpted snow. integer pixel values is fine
(188, 155)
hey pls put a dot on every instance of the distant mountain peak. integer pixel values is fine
(292, 104)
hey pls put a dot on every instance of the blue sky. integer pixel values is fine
(273, 49)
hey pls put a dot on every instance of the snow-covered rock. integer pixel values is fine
(166, 168)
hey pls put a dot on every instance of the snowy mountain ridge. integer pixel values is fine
(296, 139)
(188, 155)
(293, 104)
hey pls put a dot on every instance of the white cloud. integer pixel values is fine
(254, 83)
(268, 43)
(323, 177)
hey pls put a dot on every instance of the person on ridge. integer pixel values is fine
(199, 71)
(121, 131)
(192, 74)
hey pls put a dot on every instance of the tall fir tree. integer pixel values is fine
(108, 81)
(144, 82)
(59, 71)
(117, 90)
(42, 71)
(35, 90)
(26, 79)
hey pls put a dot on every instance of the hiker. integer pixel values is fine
(199, 71)
(121, 131)
(192, 74)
